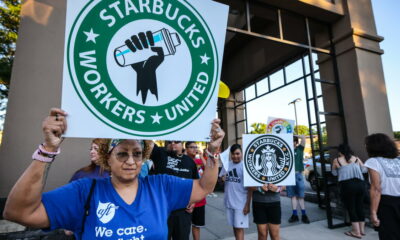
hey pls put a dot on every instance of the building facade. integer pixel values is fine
(334, 41)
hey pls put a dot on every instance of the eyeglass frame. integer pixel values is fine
(135, 158)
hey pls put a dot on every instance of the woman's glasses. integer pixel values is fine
(124, 156)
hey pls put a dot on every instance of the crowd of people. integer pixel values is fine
(145, 191)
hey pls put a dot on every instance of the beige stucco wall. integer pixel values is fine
(362, 81)
(35, 88)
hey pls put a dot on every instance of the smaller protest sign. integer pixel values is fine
(225, 157)
(268, 158)
(280, 125)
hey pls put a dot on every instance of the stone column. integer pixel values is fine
(360, 71)
(228, 118)
(35, 88)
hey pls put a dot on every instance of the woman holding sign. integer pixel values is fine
(267, 210)
(120, 207)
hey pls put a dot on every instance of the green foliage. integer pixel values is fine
(258, 128)
(324, 137)
(301, 130)
(9, 23)
(397, 135)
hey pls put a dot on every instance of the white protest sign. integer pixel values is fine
(280, 125)
(268, 158)
(142, 69)
(225, 158)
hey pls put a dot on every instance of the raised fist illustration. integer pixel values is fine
(145, 70)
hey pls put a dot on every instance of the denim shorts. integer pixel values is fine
(298, 189)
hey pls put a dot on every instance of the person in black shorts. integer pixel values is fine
(198, 214)
(267, 210)
(174, 162)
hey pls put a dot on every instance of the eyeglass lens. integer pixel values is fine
(124, 156)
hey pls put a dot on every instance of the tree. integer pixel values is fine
(301, 130)
(397, 135)
(258, 128)
(9, 23)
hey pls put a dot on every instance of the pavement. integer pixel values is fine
(217, 226)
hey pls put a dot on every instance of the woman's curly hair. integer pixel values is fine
(104, 154)
(102, 143)
(381, 145)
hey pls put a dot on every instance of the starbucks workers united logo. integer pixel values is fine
(268, 159)
(143, 67)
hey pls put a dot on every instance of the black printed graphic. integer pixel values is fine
(146, 70)
(278, 129)
(268, 159)
(232, 176)
(145, 52)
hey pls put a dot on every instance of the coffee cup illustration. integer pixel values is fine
(162, 38)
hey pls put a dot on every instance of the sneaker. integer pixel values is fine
(305, 219)
(214, 195)
(294, 218)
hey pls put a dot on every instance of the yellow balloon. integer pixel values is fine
(224, 91)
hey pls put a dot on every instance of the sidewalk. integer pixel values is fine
(315, 231)
(217, 227)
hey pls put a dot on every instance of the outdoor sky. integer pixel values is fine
(387, 20)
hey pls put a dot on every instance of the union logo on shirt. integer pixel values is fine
(106, 211)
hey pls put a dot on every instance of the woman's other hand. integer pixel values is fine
(273, 187)
(265, 188)
(217, 135)
(54, 126)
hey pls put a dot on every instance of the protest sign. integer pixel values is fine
(225, 158)
(142, 69)
(268, 158)
(280, 125)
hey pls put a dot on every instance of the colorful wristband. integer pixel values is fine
(213, 156)
(47, 153)
(44, 156)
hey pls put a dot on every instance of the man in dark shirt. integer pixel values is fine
(174, 162)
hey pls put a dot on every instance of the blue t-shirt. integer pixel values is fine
(110, 217)
(96, 173)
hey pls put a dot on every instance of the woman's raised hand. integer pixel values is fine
(54, 127)
(217, 135)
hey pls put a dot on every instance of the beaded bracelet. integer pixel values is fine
(41, 154)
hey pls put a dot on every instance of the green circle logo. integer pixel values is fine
(144, 68)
